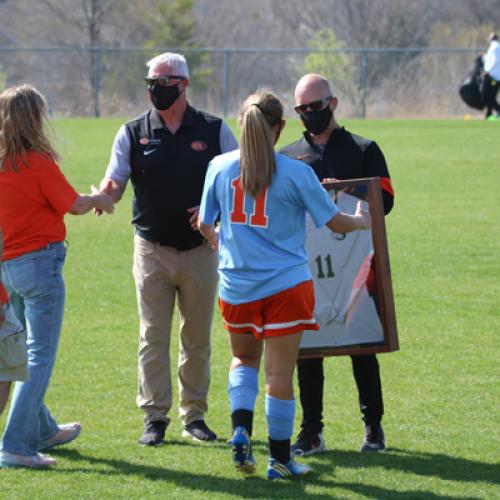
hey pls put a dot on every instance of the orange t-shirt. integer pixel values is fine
(33, 202)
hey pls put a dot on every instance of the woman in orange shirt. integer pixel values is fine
(34, 197)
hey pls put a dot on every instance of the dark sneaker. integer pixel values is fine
(199, 431)
(242, 451)
(308, 444)
(277, 470)
(153, 434)
(374, 438)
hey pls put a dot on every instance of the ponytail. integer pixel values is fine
(260, 113)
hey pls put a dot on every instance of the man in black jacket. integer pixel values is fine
(335, 153)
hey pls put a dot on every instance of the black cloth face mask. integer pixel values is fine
(163, 97)
(316, 122)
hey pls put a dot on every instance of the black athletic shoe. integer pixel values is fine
(308, 444)
(199, 431)
(153, 434)
(374, 438)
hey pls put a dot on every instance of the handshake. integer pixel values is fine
(101, 200)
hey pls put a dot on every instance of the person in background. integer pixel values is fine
(335, 153)
(34, 197)
(165, 153)
(266, 290)
(491, 77)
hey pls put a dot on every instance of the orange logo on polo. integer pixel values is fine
(199, 145)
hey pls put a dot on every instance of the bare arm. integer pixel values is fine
(86, 202)
(210, 233)
(345, 223)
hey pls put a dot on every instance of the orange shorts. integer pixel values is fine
(283, 313)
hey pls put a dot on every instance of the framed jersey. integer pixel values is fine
(352, 279)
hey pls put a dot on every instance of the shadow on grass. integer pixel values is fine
(419, 463)
(423, 464)
(370, 491)
(250, 487)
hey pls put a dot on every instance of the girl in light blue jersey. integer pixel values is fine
(266, 291)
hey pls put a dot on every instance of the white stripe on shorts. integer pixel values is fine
(272, 326)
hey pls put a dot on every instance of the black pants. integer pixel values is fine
(489, 91)
(311, 383)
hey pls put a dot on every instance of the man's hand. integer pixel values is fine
(193, 220)
(346, 190)
(2, 315)
(328, 179)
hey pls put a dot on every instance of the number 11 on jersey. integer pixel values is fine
(238, 216)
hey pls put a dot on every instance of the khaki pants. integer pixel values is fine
(161, 274)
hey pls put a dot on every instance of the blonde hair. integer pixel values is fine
(23, 120)
(259, 114)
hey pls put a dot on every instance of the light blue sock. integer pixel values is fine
(280, 414)
(243, 388)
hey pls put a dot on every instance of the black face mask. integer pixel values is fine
(163, 97)
(316, 122)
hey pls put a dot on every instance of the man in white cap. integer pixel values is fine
(165, 153)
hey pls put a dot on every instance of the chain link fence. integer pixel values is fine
(372, 83)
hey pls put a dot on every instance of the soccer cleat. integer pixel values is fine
(374, 438)
(308, 444)
(65, 434)
(37, 461)
(199, 431)
(277, 470)
(242, 451)
(153, 434)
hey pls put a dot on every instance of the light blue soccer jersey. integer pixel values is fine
(261, 247)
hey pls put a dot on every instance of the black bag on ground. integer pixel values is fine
(469, 89)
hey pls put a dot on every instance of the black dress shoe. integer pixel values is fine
(153, 434)
(199, 431)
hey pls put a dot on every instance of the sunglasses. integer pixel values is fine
(312, 106)
(163, 81)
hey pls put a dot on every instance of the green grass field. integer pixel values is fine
(442, 389)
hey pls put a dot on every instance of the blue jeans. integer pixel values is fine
(36, 288)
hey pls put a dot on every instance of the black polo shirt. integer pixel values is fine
(168, 172)
(344, 156)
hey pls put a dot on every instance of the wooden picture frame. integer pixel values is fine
(365, 320)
